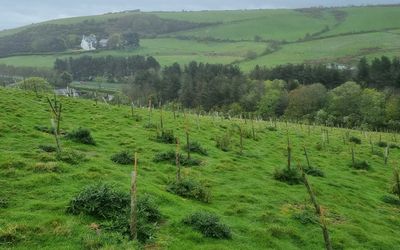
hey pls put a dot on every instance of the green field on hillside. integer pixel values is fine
(367, 19)
(70, 20)
(102, 86)
(261, 212)
(166, 50)
(245, 25)
(344, 49)
(274, 25)
(216, 16)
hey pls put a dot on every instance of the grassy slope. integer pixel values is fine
(344, 49)
(70, 20)
(269, 24)
(165, 50)
(215, 16)
(287, 25)
(367, 19)
(258, 209)
(113, 87)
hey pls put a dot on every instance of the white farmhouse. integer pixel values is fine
(89, 42)
(103, 43)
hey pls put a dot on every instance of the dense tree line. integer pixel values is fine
(330, 76)
(319, 94)
(379, 73)
(59, 37)
(88, 67)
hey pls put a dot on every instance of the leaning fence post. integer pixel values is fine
(177, 162)
(133, 222)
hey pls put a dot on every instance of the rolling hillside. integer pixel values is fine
(250, 37)
(261, 212)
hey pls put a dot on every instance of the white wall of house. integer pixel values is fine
(87, 43)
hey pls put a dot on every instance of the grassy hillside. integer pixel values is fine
(278, 25)
(358, 19)
(71, 20)
(262, 213)
(342, 49)
(231, 36)
(165, 50)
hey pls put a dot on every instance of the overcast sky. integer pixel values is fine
(16, 13)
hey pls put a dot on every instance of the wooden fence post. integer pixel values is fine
(133, 221)
(318, 210)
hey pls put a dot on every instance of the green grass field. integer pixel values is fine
(166, 50)
(379, 25)
(344, 49)
(113, 87)
(260, 211)
(367, 19)
(274, 25)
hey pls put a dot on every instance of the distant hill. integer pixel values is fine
(243, 37)
(61, 35)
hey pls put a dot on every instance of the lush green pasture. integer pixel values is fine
(344, 49)
(243, 26)
(367, 19)
(114, 87)
(217, 16)
(287, 25)
(166, 50)
(260, 211)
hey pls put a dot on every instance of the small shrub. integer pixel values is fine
(390, 199)
(123, 158)
(170, 157)
(184, 161)
(247, 133)
(166, 136)
(223, 142)
(306, 217)
(355, 140)
(13, 164)
(71, 157)
(46, 157)
(11, 234)
(148, 208)
(148, 216)
(209, 225)
(361, 165)
(100, 201)
(137, 118)
(48, 148)
(382, 144)
(314, 172)
(290, 176)
(81, 135)
(189, 189)
(49, 167)
(195, 147)
(4, 202)
(319, 146)
(150, 126)
(394, 146)
(378, 153)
